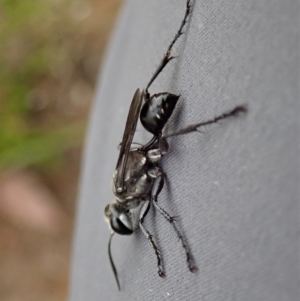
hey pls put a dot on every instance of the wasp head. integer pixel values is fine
(118, 218)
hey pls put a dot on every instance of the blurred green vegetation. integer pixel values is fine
(50, 53)
(39, 59)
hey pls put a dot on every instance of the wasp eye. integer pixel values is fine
(107, 211)
(119, 227)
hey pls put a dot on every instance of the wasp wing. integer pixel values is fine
(129, 131)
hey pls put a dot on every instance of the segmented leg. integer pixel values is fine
(195, 127)
(143, 213)
(157, 187)
(167, 57)
(133, 143)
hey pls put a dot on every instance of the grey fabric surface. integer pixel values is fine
(235, 186)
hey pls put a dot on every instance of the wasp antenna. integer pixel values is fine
(112, 262)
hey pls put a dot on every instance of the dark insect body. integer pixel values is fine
(138, 179)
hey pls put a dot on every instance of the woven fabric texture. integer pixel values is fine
(235, 186)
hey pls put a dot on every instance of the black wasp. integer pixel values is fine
(138, 179)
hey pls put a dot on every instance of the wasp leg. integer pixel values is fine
(154, 155)
(168, 57)
(136, 143)
(132, 143)
(157, 187)
(143, 213)
(195, 127)
(163, 145)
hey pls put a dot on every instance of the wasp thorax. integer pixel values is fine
(119, 190)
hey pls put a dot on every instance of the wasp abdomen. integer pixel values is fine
(157, 110)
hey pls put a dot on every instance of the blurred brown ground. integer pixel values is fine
(37, 202)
